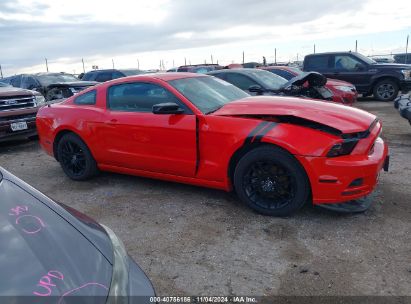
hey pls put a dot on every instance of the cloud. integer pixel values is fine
(36, 29)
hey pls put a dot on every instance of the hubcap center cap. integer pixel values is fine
(268, 185)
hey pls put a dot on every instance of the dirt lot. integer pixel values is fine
(194, 241)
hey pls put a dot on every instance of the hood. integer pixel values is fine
(73, 84)
(337, 82)
(314, 80)
(12, 91)
(45, 246)
(345, 119)
(399, 66)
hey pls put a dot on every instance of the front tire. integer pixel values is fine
(386, 90)
(75, 158)
(271, 181)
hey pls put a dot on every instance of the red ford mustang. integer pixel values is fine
(276, 152)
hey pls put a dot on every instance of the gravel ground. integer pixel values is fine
(194, 241)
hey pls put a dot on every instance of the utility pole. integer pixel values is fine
(47, 66)
(1, 72)
(314, 48)
(185, 61)
(112, 61)
(243, 57)
(275, 56)
(138, 64)
(356, 45)
(212, 62)
(84, 70)
(406, 50)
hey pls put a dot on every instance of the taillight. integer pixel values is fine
(342, 148)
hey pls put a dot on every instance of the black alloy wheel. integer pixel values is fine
(75, 158)
(271, 181)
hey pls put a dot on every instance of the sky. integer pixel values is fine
(141, 33)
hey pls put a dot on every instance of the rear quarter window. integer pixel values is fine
(316, 63)
(88, 76)
(88, 98)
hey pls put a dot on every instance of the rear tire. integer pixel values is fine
(75, 158)
(386, 90)
(271, 181)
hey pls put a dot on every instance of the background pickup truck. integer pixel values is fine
(384, 81)
(18, 109)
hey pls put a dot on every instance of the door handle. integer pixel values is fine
(112, 121)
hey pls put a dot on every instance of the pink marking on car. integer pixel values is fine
(81, 287)
(18, 209)
(42, 225)
(46, 282)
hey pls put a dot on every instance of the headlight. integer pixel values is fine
(40, 100)
(342, 148)
(406, 73)
(344, 88)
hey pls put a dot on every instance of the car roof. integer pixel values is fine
(112, 70)
(49, 74)
(330, 53)
(245, 71)
(168, 76)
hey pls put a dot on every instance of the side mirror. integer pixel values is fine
(167, 108)
(256, 89)
(360, 67)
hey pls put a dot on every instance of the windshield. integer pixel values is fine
(207, 93)
(48, 79)
(268, 80)
(366, 59)
(131, 72)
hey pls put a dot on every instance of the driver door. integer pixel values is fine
(133, 137)
(350, 69)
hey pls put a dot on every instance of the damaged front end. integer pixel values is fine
(57, 91)
(403, 105)
(310, 84)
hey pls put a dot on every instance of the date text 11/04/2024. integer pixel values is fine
(203, 299)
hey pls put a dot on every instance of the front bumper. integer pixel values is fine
(345, 178)
(403, 104)
(6, 132)
(405, 85)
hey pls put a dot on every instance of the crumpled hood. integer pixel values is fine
(343, 118)
(314, 79)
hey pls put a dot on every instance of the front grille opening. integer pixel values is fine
(356, 183)
(17, 102)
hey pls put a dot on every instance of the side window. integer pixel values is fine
(6, 80)
(240, 81)
(88, 76)
(103, 77)
(116, 75)
(285, 74)
(16, 81)
(316, 63)
(88, 98)
(138, 97)
(29, 82)
(346, 63)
